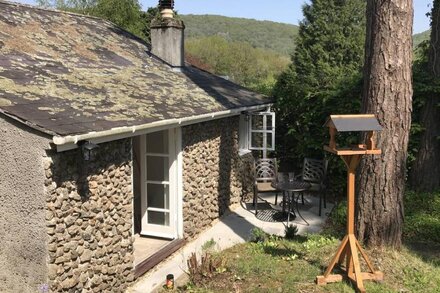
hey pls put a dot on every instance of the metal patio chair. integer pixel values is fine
(265, 172)
(315, 172)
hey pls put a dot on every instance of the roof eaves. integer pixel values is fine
(69, 142)
(28, 123)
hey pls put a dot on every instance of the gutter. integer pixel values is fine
(69, 142)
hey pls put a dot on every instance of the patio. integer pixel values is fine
(309, 211)
(231, 229)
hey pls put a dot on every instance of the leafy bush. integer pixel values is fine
(258, 235)
(290, 232)
(339, 214)
(209, 245)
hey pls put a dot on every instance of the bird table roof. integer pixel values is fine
(345, 123)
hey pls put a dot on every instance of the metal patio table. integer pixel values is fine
(292, 188)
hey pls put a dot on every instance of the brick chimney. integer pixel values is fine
(167, 36)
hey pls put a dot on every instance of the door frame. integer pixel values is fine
(175, 184)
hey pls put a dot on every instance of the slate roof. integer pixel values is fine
(69, 74)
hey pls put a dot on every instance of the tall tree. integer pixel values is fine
(79, 6)
(425, 174)
(147, 18)
(388, 94)
(125, 13)
(324, 77)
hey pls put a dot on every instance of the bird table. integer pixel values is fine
(350, 247)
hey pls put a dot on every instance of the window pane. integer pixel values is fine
(268, 122)
(257, 122)
(157, 142)
(244, 131)
(256, 139)
(269, 140)
(158, 218)
(158, 196)
(157, 168)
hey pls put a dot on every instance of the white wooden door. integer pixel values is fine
(159, 180)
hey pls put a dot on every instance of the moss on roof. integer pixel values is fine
(71, 74)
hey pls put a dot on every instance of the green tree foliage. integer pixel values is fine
(424, 152)
(278, 37)
(251, 67)
(78, 6)
(124, 13)
(147, 18)
(324, 77)
(423, 86)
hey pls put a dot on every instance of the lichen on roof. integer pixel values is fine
(71, 74)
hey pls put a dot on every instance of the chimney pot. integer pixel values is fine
(164, 4)
(166, 8)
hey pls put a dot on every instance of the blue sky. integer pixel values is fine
(288, 11)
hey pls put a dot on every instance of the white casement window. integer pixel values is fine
(262, 131)
(257, 131)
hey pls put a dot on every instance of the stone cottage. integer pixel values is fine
(113, 154)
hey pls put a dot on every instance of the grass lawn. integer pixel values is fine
(280, 265)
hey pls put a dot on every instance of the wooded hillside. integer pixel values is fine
(420, 37)
(278, 37)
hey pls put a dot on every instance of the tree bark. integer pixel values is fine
(387, 94)
(425, 174)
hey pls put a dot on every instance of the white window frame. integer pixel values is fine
(246, 131)
(243, 135)
(264, 131)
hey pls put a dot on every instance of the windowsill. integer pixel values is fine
(243, 152)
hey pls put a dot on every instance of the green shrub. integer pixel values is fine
(339, 214)
(258, 235)
(209, 245)
(290, 232)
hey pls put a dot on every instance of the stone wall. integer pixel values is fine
(22, 208)
(89, 219)
(214, 175)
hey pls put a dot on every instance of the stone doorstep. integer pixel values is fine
(155, 279)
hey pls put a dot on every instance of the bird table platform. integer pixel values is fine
(350, 247)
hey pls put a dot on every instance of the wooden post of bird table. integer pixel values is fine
(350, 247)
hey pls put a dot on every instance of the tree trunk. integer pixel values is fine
(387, 94)
(425, 174)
